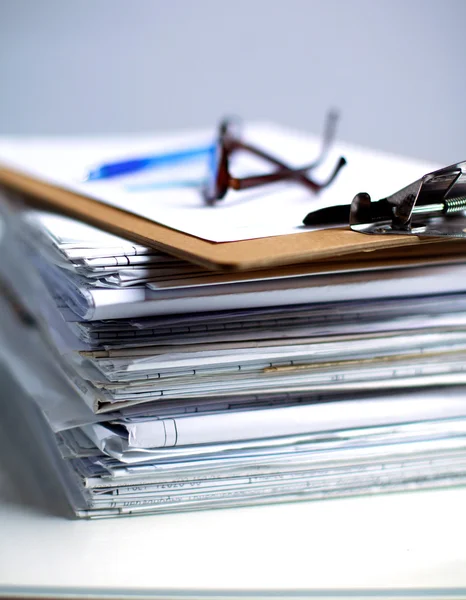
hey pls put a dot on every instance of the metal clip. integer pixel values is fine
(431, 206)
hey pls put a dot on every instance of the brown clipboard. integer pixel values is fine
(262, 253)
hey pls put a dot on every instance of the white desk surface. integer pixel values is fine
(414, 540)
(392, 541)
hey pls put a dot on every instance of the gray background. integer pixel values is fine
(395, 68)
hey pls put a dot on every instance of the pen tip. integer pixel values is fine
(85, 176)
(91, 175)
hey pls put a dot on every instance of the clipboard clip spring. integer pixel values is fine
(433, 205)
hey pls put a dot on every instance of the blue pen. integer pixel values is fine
(125, 167)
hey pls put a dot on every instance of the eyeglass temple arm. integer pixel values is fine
(285, 171)
(248, 182)
(287, 174)
(330, 129)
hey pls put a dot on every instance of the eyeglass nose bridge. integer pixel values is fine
(218, 180)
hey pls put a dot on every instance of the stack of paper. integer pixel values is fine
(157, 385)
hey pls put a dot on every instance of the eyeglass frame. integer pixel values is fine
(228, 142)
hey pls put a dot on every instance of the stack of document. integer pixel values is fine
(156, 385)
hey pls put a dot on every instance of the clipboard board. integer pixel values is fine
(245, 255)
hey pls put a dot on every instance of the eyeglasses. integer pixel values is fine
(218, 154)
(229, 142)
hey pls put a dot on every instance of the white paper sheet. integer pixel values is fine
(269, 211)
(243, 425)
(91, 303)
